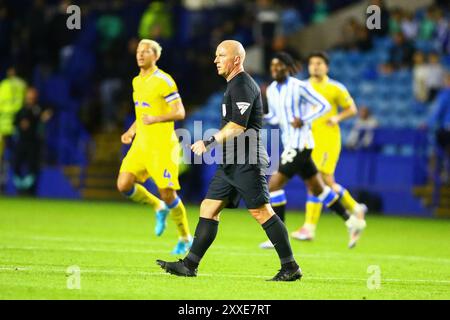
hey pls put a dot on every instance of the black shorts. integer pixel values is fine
(233, 182)
(294, 161)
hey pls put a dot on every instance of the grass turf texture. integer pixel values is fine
(115, 248)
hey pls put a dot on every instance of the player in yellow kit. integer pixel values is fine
(155, 150)
(327, 138)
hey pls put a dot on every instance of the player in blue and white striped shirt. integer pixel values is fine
(293, 105)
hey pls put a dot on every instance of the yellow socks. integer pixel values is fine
(141, 195)
(313, 211)
(347, 200)
(179, 216)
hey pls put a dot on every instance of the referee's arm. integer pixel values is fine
(242, 99)
(229, 131)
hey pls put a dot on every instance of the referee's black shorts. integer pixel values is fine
(231, 183)
(294, 161)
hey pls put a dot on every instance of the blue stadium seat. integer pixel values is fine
(367, 88)
(382, 43)
(389, 150)
(399, 107)
(398, 122)
(406, 150)
(337, 56)
(381, 56)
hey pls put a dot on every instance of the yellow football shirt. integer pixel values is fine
(154, 95)
(338, 96)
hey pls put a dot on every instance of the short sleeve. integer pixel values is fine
(169, 89)
(242, 100)
(344, 98)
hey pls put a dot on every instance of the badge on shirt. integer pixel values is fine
(243, 106)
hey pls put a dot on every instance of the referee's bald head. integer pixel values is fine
(230, 56)
(235, 48)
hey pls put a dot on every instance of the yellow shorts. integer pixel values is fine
(161, 167)
(326, 155)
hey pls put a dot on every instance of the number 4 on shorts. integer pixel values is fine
(167, 174)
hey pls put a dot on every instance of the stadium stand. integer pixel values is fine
(70, 75)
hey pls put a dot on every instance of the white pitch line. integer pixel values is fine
(230, 251)
(250, 276)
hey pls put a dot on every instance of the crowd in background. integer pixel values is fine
(97, 62)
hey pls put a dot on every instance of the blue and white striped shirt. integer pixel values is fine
(295, 99)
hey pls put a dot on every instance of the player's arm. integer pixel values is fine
(348, 105)
(242, 99)
(177, 113)
(128, 136)
(318, 103)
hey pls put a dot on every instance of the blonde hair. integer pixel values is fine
(155, 46)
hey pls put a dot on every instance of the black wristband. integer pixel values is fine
(210, 143)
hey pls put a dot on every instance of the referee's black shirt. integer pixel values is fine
(242, 104)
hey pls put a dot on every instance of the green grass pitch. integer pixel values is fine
(114, 246)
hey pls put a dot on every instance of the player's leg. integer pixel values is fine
(326, 195)
(179, 216)
(316, 186)
(331, 200)
(277, 200)
(347, 200)
(313, 207)
(127, 185)
(357, 222)
(205, 233)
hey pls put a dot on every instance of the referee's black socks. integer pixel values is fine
(205, 233)
(278, 235)
(280, 211)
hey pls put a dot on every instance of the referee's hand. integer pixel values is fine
(198, 148)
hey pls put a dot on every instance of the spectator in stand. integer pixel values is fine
(320, 12)
(27, 147)
(427, 26)
(12, 93)
(442, 32)
(409, 26)
(361, 135)
(420, 76)
(156, 22)
(395, 21)
(435, 75)
(400, 54)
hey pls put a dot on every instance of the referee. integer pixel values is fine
(242, 174)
